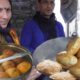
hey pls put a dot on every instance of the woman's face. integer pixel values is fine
(5, 13)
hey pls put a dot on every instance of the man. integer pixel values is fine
(42, 27)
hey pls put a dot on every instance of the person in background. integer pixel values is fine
(42, 27)
(7, 32)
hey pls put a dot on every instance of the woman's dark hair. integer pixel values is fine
(39, 1)
(9, 24)
(10, 3)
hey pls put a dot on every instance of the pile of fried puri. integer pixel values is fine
(67, 63)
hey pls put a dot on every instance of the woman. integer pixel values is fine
(6, 31)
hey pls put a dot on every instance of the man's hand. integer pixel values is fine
(33, 75)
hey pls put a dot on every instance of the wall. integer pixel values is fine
(22, 10)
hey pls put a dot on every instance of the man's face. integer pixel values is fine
(46, 7)
(5, 13)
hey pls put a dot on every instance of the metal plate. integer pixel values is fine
(49, 49)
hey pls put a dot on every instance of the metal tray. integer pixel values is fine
(49, 49)
(17, 49)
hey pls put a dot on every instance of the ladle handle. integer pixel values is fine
(17, 55)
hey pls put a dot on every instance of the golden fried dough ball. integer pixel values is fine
(8, 52)
(70, 43)
(66, 60)
(78, 54)
(3, 56)
(13, 72)
(4, 75)
(8, 64)
(75, 69)
(62, 76)
(48, 67)
(1, 69)
(73, 46)
(24, 66)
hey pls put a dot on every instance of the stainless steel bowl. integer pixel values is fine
(17, 49)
